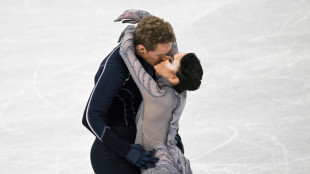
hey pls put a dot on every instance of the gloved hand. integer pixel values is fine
(179, 142)
(140, 157)
(132, 16)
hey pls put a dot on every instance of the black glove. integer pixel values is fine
(140, 157)
(179, 142)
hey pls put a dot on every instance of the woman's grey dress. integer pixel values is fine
(158, 115)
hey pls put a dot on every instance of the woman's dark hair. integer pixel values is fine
(189, 74)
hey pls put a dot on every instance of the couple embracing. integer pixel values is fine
(139, 95)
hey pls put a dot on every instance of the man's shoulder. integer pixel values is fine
(115, 54)
(115, 58)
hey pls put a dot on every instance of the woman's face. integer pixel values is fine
(168, 68)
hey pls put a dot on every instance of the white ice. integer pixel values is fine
(251, 115)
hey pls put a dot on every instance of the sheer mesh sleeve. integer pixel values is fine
(174, 49)
(144, 81)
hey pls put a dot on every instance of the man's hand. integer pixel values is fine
(132, 16)
(179, 142)
(140, 157)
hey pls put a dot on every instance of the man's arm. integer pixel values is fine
(106, 88)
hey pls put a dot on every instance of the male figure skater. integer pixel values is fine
(111, 109)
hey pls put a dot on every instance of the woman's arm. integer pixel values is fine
(174, 49)
(145, 83)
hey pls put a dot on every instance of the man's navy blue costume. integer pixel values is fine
(110, 115)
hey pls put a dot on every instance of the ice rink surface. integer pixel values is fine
(251, 115)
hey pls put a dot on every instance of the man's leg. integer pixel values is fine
(105, 161)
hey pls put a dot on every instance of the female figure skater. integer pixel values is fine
(163, 102)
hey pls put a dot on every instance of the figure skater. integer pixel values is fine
(163, 99)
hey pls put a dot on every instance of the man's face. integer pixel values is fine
(156, 56)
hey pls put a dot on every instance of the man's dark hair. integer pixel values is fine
(189, 74)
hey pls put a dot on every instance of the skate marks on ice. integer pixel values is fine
(250, 116)
(263, 153)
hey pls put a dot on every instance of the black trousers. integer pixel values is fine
(106, 161)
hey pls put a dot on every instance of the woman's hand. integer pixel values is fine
(132, 16)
